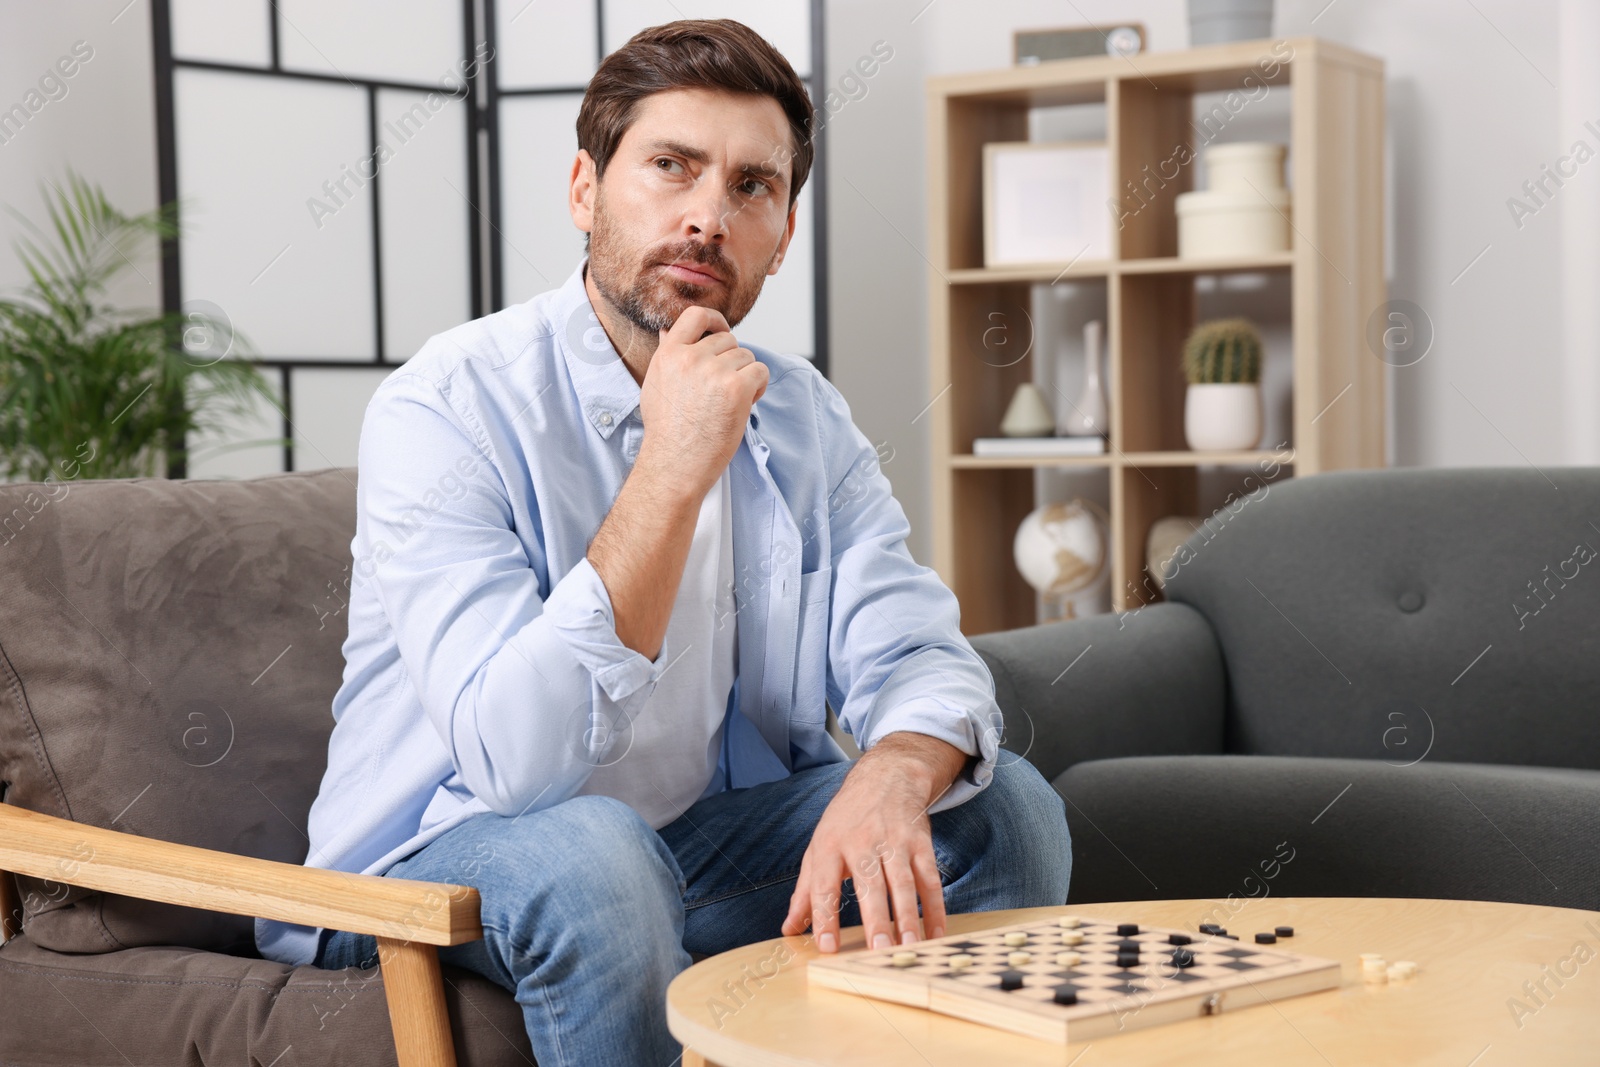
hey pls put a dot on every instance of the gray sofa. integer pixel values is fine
(1367, 683)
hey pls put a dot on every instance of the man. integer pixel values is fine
(610, 566)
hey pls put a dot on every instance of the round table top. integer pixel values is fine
(1498, 984)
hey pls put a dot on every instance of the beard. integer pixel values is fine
(652, 299)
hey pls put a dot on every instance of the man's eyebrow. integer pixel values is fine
(763, 169)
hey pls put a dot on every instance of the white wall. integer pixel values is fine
(1473, 112)
(104, 126)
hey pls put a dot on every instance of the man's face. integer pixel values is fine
(693, 208)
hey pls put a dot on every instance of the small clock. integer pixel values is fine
(1124, 41)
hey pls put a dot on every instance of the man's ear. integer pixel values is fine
(581, 191)
(783, 243)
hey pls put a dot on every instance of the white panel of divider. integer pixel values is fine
(786, 23)
(222, 31)
(417, 41)
(543, 44)
(276, 234)
(328, 403)
(425, 218)
(538, 142)
(246, 444)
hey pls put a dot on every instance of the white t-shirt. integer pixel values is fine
(667, 758)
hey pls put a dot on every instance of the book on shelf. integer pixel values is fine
(1039, 446)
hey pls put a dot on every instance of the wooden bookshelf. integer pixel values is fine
(1335, 281)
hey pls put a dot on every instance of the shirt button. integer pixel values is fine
(605, 418)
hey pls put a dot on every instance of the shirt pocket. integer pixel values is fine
(811, 649)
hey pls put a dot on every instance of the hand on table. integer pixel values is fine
(876, 832)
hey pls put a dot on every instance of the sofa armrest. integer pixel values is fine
(1149, 682)
(45, 846)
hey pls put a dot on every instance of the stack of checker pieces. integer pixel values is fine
(1024, 978)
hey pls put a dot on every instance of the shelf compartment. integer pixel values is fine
(1151, 314)
(958, 128)
(1147, 127)
(986, 507)
(1140, 496)
(992, 343)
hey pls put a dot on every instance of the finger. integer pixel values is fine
(825, 883)
(930, 889)
(799, 902)
(757, 371)
(718, 344)
(695, 322)
(872, 896)
(903, 895)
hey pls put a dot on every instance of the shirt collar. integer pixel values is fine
(606, 390)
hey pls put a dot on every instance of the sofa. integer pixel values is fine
(169, 652)
(1361, 683)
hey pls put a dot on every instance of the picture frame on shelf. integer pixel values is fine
(1044, 202)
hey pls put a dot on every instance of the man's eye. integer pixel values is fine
(669, 162)
(755, 187)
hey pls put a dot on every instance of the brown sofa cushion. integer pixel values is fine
(179, 1006)
(169, 654)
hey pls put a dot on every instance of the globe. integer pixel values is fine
(1061, 548)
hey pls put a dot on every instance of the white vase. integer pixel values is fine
(1222, 416)
(1086, 416)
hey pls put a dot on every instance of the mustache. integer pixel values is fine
(703, 255)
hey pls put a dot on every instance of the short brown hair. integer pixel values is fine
(693, 54)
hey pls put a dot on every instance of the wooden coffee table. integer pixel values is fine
(753, 1006)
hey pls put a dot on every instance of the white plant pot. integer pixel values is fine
(1222, 416)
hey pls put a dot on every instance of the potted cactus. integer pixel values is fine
(1222, 410)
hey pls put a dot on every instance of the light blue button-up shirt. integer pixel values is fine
(482, 649)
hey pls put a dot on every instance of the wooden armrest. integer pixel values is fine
(402, 909)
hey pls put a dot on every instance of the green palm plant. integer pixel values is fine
(88, 390)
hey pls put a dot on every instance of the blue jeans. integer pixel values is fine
(587, 913)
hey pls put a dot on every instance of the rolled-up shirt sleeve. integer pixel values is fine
(897, 659)
(526, 691)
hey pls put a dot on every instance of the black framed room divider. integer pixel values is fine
(357, 175)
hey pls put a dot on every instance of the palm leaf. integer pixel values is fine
(89, 390)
